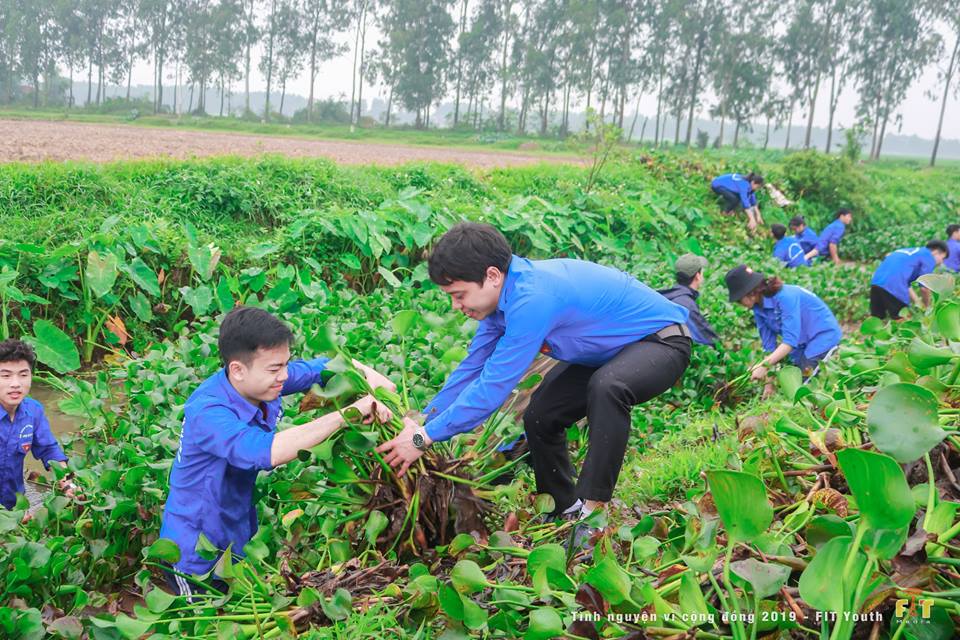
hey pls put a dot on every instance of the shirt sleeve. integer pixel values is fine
(706, 333)
(527, 323)
(744, 188)
(482, 345)
(768, 338)
(790, 313)
(925, 266)
(303, 374)
(45, 447)
(217, 430)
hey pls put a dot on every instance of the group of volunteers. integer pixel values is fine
(618, 344)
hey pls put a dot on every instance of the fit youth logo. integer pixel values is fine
(26, 438)
(912, 608)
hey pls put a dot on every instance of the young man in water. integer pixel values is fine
(230, 435)
(24, 427)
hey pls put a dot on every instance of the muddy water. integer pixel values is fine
(60, 423)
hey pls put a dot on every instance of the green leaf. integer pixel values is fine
(164, 550)
(547, 555)
(339, 606)
(68, 627)
(54, 347)
(822, 529)
(741, 501)
(823, 583)
(131, 628)
(903, 421)
(691, 597)
(140, 306)
(947, 318)
(460, 543)
(159, 600)
(925, 356)
(101, 272)
(791, 383)
(376, 523)
(544, 503)
(765, 578)
(388, 277)
(144, 276)
(545, 623)
(403, 321)
(942, 283)
(610, 580)
(879, 487)
(199, 299)
(450, 602)
(350, 260)
(474, 616)
(467, 577)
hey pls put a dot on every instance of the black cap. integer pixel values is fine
(741, 280)
(796, 221)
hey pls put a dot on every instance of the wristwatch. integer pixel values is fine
(419, 441)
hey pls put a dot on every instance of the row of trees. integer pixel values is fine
(514, 63)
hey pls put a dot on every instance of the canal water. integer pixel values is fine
(60, 423)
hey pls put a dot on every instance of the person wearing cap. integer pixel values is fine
(890, 288)
(829, 241)
(739, 191)
(689, 273)
(807, 329)
(952, 261)
(787, 248)
(804, 234)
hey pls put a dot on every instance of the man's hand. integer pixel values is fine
(69, 489)
(400, 452)
(371, 409)
(759, 373)
(374, 378)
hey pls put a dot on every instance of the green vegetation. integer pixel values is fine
(728, 501)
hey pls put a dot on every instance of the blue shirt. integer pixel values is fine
(571, 310)
(788, 250)
(28, 431)
(900, 268)
(801, 319)
(739, 185)
(700, 329)
(225, 443)
(831, 235)
(808, 239)
(952, 261)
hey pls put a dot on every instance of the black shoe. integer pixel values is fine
(581, 538)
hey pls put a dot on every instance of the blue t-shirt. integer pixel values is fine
(801, 319)
(831, 235)
(952, 261)
(571, 310)
(900, 268)
(788, 250)
(808, 239)
(738, 184)
(225, 443)
(29, 431)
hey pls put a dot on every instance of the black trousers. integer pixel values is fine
(731, 199)
(884, 304)
(604, 395)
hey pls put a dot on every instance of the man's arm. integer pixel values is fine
(288, 442)
(834, 254)
(813, 253)
(45, 447)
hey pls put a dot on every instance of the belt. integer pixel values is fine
(672, 330)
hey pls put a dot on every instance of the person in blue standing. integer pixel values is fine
(890, 289)
(828, 244)
(803, 233)
(619, 344)
(953, 247)
(807, 329)
(689, 276)
(787, 249)
(24, 427)
(230, 435)
(739, 191)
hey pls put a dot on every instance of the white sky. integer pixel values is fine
(920, 113)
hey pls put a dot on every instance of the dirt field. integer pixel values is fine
(36, 141)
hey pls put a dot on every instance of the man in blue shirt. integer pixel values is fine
(890, 288)
(230, 434)
(619, 344)
(803, 233)
(738, 191)
(689, 273)
(24, 427)
(953, 246)
(787, 248)
(829, 240)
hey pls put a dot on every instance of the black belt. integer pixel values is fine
(672, 330)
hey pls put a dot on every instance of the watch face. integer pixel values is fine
(418, 440)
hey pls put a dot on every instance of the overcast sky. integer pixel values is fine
(920, 113)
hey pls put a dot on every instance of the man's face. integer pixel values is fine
(756, 186)
(263, 378)
(846, 218)
(15, 381)
(955, 235)
(938, 256)
(798, 229)
(476, 301)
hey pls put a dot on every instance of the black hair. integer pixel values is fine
(796, 221)
(842, 212)
(684, 279)
(466, 251)
(755, 177)
(246, 329)
(15, 350)
(769, 287)
(939, 245)
(778, 230)
(952, 229)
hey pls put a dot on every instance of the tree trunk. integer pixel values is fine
(221, 94)
(832, 107)
(313, 72)
(363, 57)
(736, 134)
(813, 106)
(696, 88)
(463, 27)
(273, 28)
(356, 57)
(389, 105)
(129, 76)
(786, 145)
(766, 135)
(89, 82)
(943, 104)
(190, 103)
(283, 93)
(636, 113)
(246, 60)
(501, 118)
(70, 103)
(643, 129)
(656, 133)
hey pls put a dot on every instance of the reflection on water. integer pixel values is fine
(60, 423)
